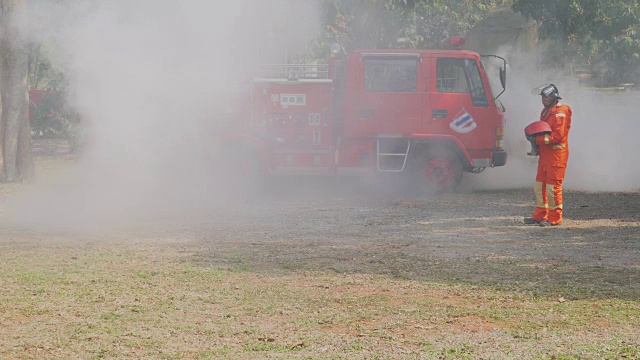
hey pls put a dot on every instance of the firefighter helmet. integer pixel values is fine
(537, 128)
(547, 90)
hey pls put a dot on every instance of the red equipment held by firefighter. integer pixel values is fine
(425, 114)
(534, 129)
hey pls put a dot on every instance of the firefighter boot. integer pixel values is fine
(531, 221)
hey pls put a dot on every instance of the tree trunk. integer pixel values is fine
(16, 132)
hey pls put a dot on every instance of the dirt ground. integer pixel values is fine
(473, 238)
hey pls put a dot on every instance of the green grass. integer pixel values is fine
(115, 302)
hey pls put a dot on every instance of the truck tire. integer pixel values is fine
(440, 170)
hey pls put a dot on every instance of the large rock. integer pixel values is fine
(503, 32)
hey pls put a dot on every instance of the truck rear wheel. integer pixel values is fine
(238, 171)
(440, 171)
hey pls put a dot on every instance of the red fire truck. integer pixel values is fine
(425, 115)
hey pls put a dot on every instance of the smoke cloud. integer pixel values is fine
(148, 78)
(149, 75)
(602, 140)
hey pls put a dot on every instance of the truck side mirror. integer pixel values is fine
(503, 77)
(502, 72)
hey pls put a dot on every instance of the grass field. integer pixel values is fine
(120, 301)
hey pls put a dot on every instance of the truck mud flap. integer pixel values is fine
(499, 157)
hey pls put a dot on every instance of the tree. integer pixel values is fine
(379, 23)
(434, 20)
(591, 32)
(15, 132)
(364, 23)
(42, 73)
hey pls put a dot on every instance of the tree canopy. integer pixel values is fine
(379, 23)
(602, 33)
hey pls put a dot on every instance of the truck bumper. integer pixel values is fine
(499, 157)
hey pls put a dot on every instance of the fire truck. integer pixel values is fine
(424, 115)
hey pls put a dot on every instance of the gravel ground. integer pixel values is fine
(472, 238)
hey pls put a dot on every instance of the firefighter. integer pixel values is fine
(553, 149)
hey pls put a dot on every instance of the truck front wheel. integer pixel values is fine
(441, 171)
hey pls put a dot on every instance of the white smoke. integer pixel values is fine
(148, 77)
(603, 142)
(602, 139)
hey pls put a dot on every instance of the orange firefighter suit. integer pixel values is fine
(554, 153)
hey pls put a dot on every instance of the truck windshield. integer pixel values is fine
(391, 75)
(457, 75)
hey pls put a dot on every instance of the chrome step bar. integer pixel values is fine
(396, 140)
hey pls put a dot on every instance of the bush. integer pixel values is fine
(50, 118)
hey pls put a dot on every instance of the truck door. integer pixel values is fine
(388, 97)
(460, 102)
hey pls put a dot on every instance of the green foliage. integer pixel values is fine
(593, 32)
(379, 23)
(601, 34)
(49, 114)
(48, 118)
(363, 23)
(42, 74)
(434, 20)
(51, 117)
